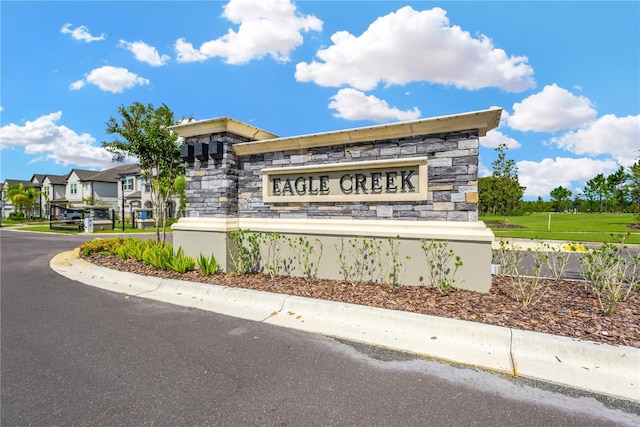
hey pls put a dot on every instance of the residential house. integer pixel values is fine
(54, 188)
(7, 205)
(115, 187)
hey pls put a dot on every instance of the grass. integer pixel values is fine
(117, 230)
(581, 227)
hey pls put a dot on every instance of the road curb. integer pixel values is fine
(599, 368)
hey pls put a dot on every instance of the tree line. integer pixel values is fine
(501, 193)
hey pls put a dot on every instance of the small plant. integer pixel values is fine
(135, 248)
(390, 263)
(306, 256)
(208, 265)
(246, 254)
(527, 288)
(509, 258)
(357, 261)
(611, 273)
(101, 246)
(159, 255)
(271, 254)
(555, 260)
(182, 263)
(443, 264)
(344, 264)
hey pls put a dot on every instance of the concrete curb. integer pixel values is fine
(598, 368)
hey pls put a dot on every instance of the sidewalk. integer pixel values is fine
(595, 367)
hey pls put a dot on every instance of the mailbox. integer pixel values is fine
(201, 151)
(186, 152)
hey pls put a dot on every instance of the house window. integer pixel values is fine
(47, 191)
(74, 188)
(145, 184)
(128, 184)
(87, 186)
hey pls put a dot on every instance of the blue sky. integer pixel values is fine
(567, 74)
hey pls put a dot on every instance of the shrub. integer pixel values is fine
(390, 263)
(612, 273)
(158, 255)
(357, 260)
(270, 254)
(16, 216)
(246, 254)
(182, 263)
(443, 264)
(101, 246)
(306, 256)
(527, 288)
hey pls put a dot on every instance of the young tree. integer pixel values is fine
(143, 132)
(561, 198)
(508, 191)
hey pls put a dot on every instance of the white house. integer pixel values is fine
(110, 187)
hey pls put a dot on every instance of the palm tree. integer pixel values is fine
(22, 198)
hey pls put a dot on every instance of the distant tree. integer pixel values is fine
(577, 202)
(507, 189)
(634, 185)
(561, 198)
(144, 133)
(597, 188)
(486, 195)
(634, 188)
(23, 198)
(616, 183)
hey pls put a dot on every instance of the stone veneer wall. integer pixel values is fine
(232, 186)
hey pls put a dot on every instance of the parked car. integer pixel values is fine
(70, 215)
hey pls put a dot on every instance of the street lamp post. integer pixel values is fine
(123, 179)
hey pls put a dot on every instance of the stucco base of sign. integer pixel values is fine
(469, 240)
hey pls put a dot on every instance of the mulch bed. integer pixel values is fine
(566, 307)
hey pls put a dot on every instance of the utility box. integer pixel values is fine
(88, 225)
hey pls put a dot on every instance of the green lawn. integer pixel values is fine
(117, 230)
(580, 227)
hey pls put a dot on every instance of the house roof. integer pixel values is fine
(56, 179)
(38, 177)
(82, 174)
(20, 181)
(107, 175)
(134, 195)
(114, 174)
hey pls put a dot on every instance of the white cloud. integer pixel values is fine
(50, 141)
(352, 104)
(77, 85)
(618, 137)
(266, 27)
(409, 45)
(543, 176)
(110, 79)
(81, 33)
(187, 53)
(550, 110)
(145, 53)
(495, 138)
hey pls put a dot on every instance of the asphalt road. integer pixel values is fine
(74, 355)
